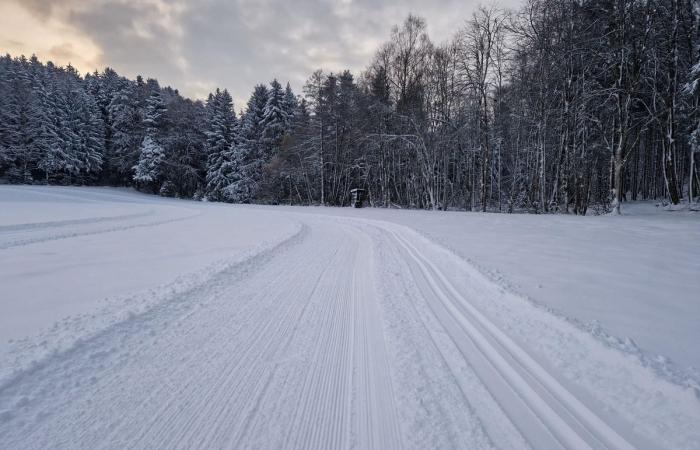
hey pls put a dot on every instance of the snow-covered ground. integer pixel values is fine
(74, 261)
(129, 320)
(635, 277)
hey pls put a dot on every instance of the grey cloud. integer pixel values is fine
(198, 45)
(132, 38)
(40, 8)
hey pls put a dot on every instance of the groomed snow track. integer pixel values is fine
(543, 410)
(350, 334)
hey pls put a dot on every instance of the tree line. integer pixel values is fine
(560, 106)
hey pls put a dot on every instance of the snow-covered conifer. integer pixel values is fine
(126, 130)
(291, 105)
(275, 117)
(148, 169)
(155, 109)
(221, 137)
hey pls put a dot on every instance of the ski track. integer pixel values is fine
(11, 241)
(226, 365)
(69, 222)
(350, 334)
(542, 409)
(80, 195)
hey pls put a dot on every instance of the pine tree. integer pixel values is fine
(291, 105)
(241, 187)
(147, 171)
(276, 118)
(126, 129)
(151, 155)
(155, 109)
(278, 115)
(92, 135)
(184, 142)
(250, 150)
(253, 121)
(221, 137)
(103, 87)
(67, 104)
(80, 142)
(42, 150)
(58, 127)
(11, 109)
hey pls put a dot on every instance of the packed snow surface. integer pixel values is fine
(635, 276)
(129, 321)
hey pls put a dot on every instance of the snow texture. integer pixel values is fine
(134, 321)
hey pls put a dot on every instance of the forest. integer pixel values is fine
(562, 106)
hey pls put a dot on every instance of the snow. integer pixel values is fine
(135, 321)
(71, 253)
(634, 276)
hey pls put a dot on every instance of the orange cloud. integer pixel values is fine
(22, 31)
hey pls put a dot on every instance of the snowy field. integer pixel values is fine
(129, 320)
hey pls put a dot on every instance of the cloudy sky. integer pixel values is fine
(197, 45)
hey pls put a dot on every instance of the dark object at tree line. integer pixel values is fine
(357, 196)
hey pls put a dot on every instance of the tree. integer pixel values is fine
(291, 105)
(184, 141)
(42, 149)
(479, 41)
(126, 130)
(560, 106)
(221, 138)
(155, 109)
(147, 171)
(240, 185)
(692, 90)
(14, 93)
(251, 149)
(276, 118)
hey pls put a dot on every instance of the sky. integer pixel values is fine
(198, 45)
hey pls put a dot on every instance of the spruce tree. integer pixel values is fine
(92, 135)
(291, 105)
(275, 118)
(241, 187)
(148, 169)
(250, 151)
(126, 129)
(11, 110)
(221, 137)
(154, 111)
(41, 151)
